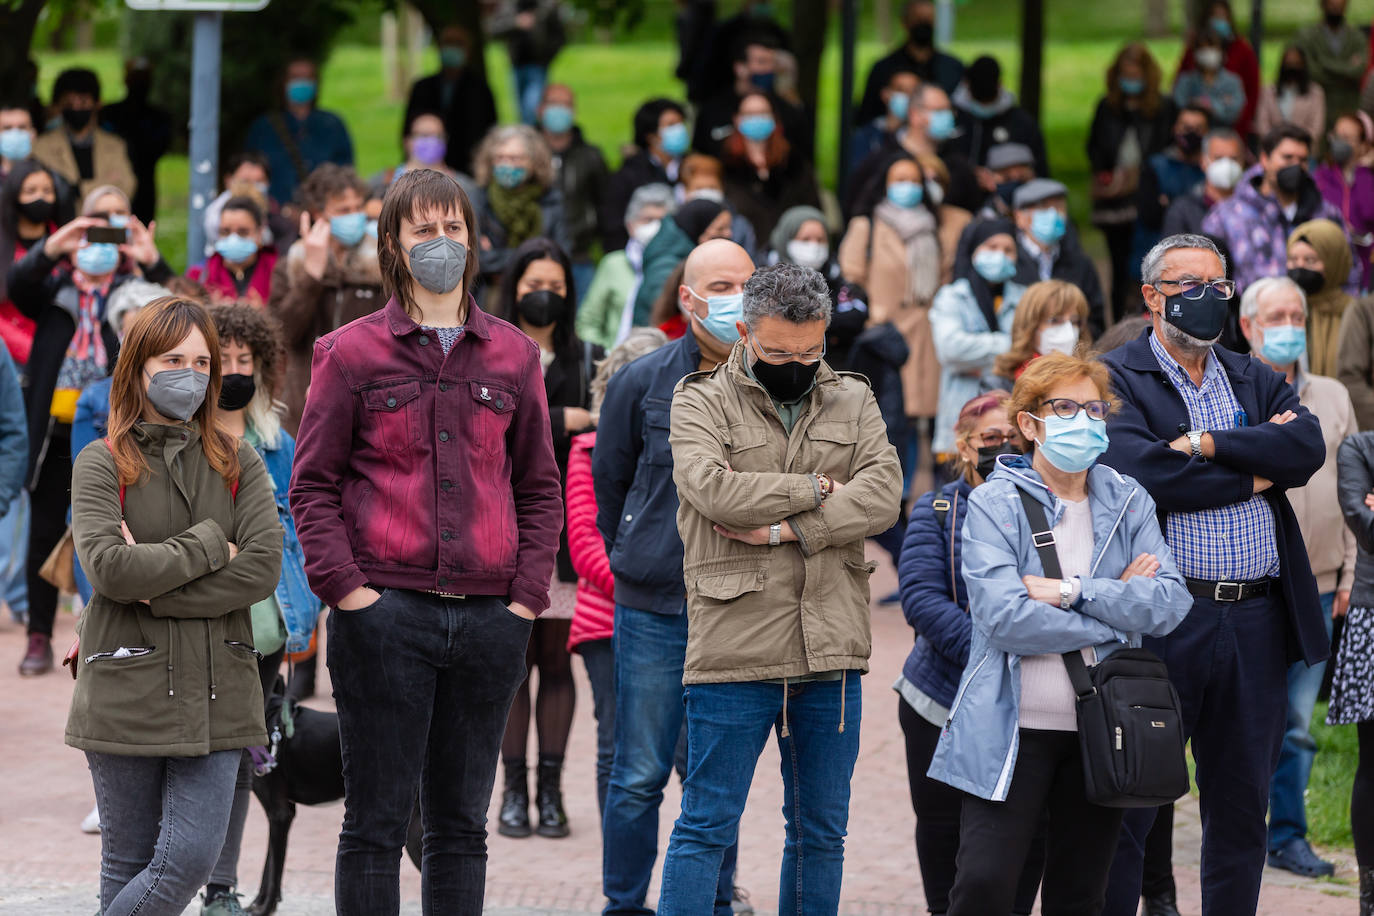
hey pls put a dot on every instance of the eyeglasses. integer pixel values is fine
(1191, 288)
(814, 355)
(1067, 408)
(992, 438)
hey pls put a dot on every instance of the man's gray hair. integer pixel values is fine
(1152, 267)
(1250, 302)
(650, 195)
(787, 291)
(1223, 133)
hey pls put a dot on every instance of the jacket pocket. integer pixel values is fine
(833, 442)
(745, 446)
(392, 417)
(727, 586)
(658, 423)
(493, 407)
(122, 652)
(859, 573)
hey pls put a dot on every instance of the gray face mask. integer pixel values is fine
(177, 393)
(438, 264)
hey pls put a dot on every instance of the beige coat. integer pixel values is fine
(758, 612)
(1330, 544)
(109, 158)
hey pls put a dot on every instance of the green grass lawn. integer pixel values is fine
(1328, 792)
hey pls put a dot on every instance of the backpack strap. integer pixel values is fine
(1042, 536)
(944, 510)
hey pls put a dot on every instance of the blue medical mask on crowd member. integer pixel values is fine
(1131, 86)
(764, 81)
(509, 176)
(97, 259)
(1283, 344)
(371, 228)
(1072, 445)
(898, 105)
(674, 139)
(300, 92)
(557, 119)
(1222, 27)
(905, 194)
(235, 248)
(177, 393)
(15, 143)
(349, 228)
(722, 314)
(980, 110)
(941, 124)
(1048, 225)
(994, 266)
(757, 127)
(119, 221)
(453, 57)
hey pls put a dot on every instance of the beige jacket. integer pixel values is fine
(758, 612)
(1330, 544)
(109, 159)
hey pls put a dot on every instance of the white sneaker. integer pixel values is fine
(91, 823)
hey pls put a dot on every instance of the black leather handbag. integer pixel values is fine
(1130, 728)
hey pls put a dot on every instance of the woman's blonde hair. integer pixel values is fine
(1047, 373)
(541, 157)
(640, 342)
(1039, 303)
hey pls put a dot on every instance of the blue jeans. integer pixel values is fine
(529, 90)
(14, 554)
(649, 652)
(599, 657)
(1287, 810)
(727, 729)
(583, 273)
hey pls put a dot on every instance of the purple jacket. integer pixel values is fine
(420, 471)
(1256, 232)
(1356, 203)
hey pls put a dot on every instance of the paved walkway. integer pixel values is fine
(47, 866)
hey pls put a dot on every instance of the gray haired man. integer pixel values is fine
(783, 468)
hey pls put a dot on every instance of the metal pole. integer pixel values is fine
(1257, 26)
(944, 22)
(204, 127)
(1032, 54)
(848, 38)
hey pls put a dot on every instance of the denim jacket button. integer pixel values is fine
(390, 402)
(446, 536)
(446, 485)
(500, 403)
(443, 386)
(424, 340)
(443, 436)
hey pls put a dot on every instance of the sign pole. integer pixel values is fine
(204, 127)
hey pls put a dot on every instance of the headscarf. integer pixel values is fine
(695, 216)
(978, 233)
(1326, 306)
(789, 224)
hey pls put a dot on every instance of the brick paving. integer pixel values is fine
(47, 866)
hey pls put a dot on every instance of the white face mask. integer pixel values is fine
(808, 254)
(1224, 174)
(1058, 338)
(715, 194)
(1208, 58)
(644, 233)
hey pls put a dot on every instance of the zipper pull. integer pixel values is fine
(1118, 737)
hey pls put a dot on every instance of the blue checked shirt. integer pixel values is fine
(1234, 543)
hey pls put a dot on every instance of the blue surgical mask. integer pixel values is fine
(994, 266)
(941, 124)
(1131, 86)
(1284, 344)
(905, 194)
(1222, 27)
(349, 228)
(15, 143)
(674, 139)
(235, 248)
(509, 176)
(97, 259)
(898, 105)
(453, 57)
(372, 228)
(557, 119)
(119, 221)
(300, 92)
(757, 127)
(722, 314)
(1048, 225)
(1072, 445)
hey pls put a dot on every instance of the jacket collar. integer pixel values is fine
(401, 324)
(1138, 355)
(1105, 485)
(825, 376)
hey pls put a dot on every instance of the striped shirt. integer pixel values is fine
(1234, 543)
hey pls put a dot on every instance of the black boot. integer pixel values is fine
(515, 801)
(1162, 904)
(1367, 892)
(552, 821)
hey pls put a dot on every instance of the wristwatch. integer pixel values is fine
(775, 534)
(1066, 594)
(1195, 440)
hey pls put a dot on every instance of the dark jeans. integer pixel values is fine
(938, 809)
(599, 658)
(1048, 780)
(1158, 875)
(50, 500)
(162, 821)
(423, 685)
(1125, 292)
(1228, 662)
(650, 650)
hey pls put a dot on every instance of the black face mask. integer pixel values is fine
(36, 211)
(922, 34)
(988, 455)
(236, 391)
(1006, 190)
(786, 382)
(541, 308)
(1292, 76)
(1334, 20)
(1189, 142)
(846, 326)
(1201, 318)
(1309, 281)
(1289, 178)
(77, 119)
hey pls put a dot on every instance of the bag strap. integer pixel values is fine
(278, 122)
(943, 509)
(1042, 536)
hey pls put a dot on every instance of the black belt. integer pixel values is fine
(1230, 591)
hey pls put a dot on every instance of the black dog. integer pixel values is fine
(308, 771)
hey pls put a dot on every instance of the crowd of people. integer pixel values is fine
(501, 405)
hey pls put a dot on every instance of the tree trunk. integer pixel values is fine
(809, 19)
(1156, 18)
(17, 22)
(1032, 54)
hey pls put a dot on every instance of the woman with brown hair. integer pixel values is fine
(1052, 317)
(176, 528)
(764, 173)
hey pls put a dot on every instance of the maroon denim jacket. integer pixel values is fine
(420, 471)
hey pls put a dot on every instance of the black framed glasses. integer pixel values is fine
(1193, 288)
(1068, 408)
(992, 438)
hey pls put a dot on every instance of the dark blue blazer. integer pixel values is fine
(1153, 414)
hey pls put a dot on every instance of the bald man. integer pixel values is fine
(637, 516)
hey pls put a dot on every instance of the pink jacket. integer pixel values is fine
(594, 616)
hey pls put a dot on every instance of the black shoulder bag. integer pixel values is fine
(1130, 729)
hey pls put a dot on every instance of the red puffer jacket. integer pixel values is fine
(594, 616)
